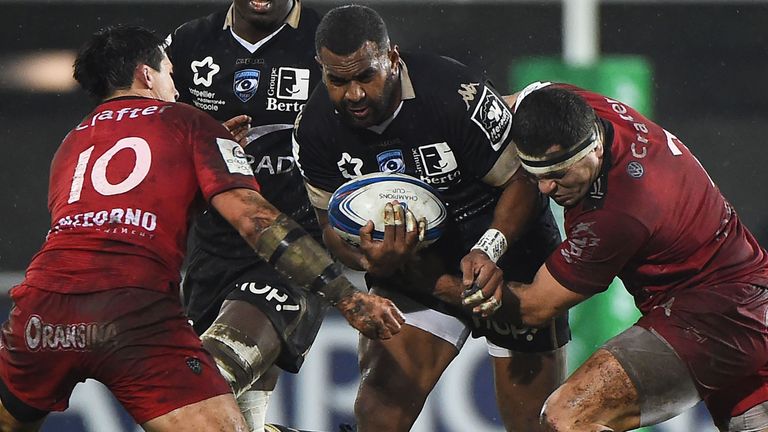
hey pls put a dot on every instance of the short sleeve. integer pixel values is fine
(310, 159)
(598, 245)
(220, 162)
(484, 130)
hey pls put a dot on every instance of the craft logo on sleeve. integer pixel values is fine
(493, 118)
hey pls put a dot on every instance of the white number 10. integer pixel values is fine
(99, 173)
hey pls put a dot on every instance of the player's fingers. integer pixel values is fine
(422, 228)
(488, 307)
(398, 214)
(389, 222)
(468, 273)
(411, 229)
(236, 121)
(366, 234)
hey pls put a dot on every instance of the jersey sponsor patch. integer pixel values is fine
(493, 118)
(204, 71)
(246, 83)
(391, 161)
(293, 83)
(234, 157)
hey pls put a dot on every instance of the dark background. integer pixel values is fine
(709, 64)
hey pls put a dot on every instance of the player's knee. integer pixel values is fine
(237, 356)
(555, 416)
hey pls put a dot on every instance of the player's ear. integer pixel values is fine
(143, 76)
(394, 57)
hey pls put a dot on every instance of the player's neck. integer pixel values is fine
(145, 93)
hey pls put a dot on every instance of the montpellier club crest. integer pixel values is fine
(246, 83)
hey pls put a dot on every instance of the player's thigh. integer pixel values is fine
(413, 360)
(18, 422)
(293, 315)
(219, 413)
(523, 382)
(599, 392)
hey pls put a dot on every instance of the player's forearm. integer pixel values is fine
(283, 243)
(516, 207)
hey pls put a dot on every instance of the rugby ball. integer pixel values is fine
(362, 199)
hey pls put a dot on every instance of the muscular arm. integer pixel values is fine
(290, 250)
(538, 303)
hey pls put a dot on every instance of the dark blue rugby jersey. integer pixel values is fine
(216, 73)
(452, 131)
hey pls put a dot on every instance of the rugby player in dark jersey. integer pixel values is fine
(101, 298)
(639, 206)
(434, 119)
(251, 66)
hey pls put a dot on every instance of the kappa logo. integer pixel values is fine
(246, 83)
(293, 83)
(204, 71)
(468, 92)
(493, 117)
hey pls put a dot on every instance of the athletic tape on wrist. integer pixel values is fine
(493, 243)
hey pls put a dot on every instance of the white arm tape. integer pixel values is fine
(493, 243)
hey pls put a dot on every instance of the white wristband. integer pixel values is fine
(493, 243)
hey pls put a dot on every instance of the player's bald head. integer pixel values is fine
(343, 30)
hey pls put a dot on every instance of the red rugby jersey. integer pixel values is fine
(122, 187)
(653, 218)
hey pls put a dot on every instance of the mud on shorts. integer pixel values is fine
(136, 342)
(718, 334)
(295, 314)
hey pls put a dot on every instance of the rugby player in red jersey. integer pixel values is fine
(101, 299)
(639, 206)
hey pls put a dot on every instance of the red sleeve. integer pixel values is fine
(220, 162)
(598, 245)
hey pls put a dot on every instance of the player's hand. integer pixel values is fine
(373, 316)
(238, 126)
(483, 283)
(402, 234)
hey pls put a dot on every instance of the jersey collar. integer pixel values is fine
(407, 92)
(292, 19)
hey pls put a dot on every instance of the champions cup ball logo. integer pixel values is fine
(246, 83)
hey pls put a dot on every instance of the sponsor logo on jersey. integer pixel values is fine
(635, 169)
(246, 83)
(293, 83)
(350, 167)
(274, 296)
(391, 161)
(234, 157)
(437, 165)
(468, 92)
(287, 86)
(582, 242)
(505, 329)
(42, 336)
(494, 119)
(204, 71)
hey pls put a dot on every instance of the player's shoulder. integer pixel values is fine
(431, 71)
(198, 29)
(445, 83)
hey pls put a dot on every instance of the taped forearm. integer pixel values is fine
(293, 252)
